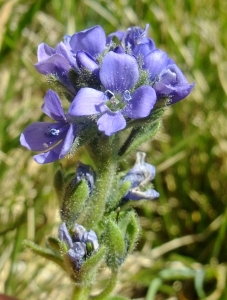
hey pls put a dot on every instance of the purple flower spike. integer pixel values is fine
(172, 83)
(54, 140)
(118, 74)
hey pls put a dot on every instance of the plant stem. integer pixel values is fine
(111, 285)
(105, 155)
(80, 292)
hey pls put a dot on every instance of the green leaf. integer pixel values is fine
(115, 198)
(53, 243)
(44, 252)
(114, 240)
(138, 136)
(59, 184)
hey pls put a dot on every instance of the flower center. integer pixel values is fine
(52, 131)
(116, 102)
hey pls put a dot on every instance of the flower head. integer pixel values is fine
(79, 242)
(58, 61)
(118, 74)
(53, 140)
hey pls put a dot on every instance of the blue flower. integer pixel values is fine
(54, 140)
(139, 177)
(58, 61)
(118, 74)
(167, 79)
(134, 41)
(77, 243)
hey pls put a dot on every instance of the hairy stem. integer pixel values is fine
(104, 153)
(80, 292)
(111, 285)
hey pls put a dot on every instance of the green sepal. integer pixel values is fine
(73, 202)
(115, 200)
(138, 136)
(113, 239)
(84, 136)
(59, 183)
(44, 252)
(83, 78)
(53, 243)
(129, 224)
(89, 267)
(132, 231)
(143, 129)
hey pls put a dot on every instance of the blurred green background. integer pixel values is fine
(182, 252)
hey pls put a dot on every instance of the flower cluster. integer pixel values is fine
(109, 81)
(79, 243)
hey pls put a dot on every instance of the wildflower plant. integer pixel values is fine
(117, 87)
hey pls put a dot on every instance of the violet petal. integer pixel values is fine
(64, 235)
(119, 34)
(87, 102)
(111, 122)
(68, 140)
(155, 62)
(84, 60)
(44, 51)
(50, 156)
(35, 136)
(141, 104)
(52, 106)
(92, 40)
(119, 72)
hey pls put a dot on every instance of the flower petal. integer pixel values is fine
(35, 136)
(172, 83)
(84, 60)
(118, 34)
(144, 48)
(92, 40)
(68, 140)
(141, 104)
(134, 194)
(49, 156)
(64, 50)
(44, 51)
(111, 122)
(55, 64)
(155, 62)
(119, 72)
(52, 106)
(87, 102)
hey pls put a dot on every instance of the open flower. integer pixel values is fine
(134, 40)
(168, 80)
(139, 177)
(54, 140)
(172, 83)
(58, 61)
(118, 74)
